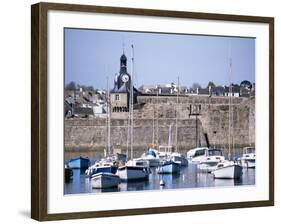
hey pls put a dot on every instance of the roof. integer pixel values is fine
(83, 110)
(123, 89)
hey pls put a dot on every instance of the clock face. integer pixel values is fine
(125, 78)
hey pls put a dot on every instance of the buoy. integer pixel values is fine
(162, 183)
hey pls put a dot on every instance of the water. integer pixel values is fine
(189, 177)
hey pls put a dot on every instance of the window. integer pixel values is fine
(117, 97)
(199, 152)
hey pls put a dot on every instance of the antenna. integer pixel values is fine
(123, 45)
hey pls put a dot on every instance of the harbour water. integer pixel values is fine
(189, 177)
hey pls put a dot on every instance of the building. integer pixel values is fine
(120, 95)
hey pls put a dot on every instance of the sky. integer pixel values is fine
(93, 55)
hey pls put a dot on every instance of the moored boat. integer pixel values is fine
(179, 158)
(168, 167)
(211, 159)
(248, 159)
(228, 170)
(151, 156)
(102, 166)
(135, 169)
(105, 180)
(68, 173)
(196, 155)
(79, 163)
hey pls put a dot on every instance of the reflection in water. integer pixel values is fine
(189, 177)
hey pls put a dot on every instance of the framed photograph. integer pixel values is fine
(141, 111)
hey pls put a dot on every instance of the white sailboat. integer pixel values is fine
(229, 169)
(105, 180)
(167, 165)
(176, 156)
(133, 170)
(102, 173)
(151, 155)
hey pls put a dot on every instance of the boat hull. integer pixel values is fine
(169, 168)
(68, 174)
(105, 180)
(207, 167)
(79, 163)
(248, 163)
(101, 169)
(153, 162)
(228, 172)
(128, 173)
(178, 159)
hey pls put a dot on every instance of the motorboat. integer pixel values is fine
(197, 154)
(102, 166)
(78, 163)
(248, 159)
(208, 163)
(134, 169)
(228, 170)
(151, 155)
(169, 167)
(179, 158)
(105, 180)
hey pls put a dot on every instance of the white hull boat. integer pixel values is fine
(169, 167)
(196, 155)
(228, 170)
(152, 158)
(178, 158)
(209, 162)
(248, 159)
(153, 162)
(207, 167)
(128, 173)
(105, 180)
(248, 163)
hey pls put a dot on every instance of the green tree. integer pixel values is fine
(211, 84)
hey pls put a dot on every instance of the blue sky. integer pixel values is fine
(92, 55)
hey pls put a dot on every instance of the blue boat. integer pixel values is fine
(101, 167)
(79, 163)
(169, 167)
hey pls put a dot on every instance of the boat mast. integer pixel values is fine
(157, 118)
(132, 102)
(249, 131)
(108, 120)
(230, 108)
(176, 134)
(153, 140)
(170, 139)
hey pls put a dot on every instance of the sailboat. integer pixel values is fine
(134, 169)
(168, 166)
(151, 155)
(229, 169)
(102, 173)
(176, 156)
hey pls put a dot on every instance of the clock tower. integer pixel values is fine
(120, 94)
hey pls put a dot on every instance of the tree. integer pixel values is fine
(71, 86)
(196, 85)
(246, 84)
(211, 84)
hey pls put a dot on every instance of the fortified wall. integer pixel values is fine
(198, 119)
